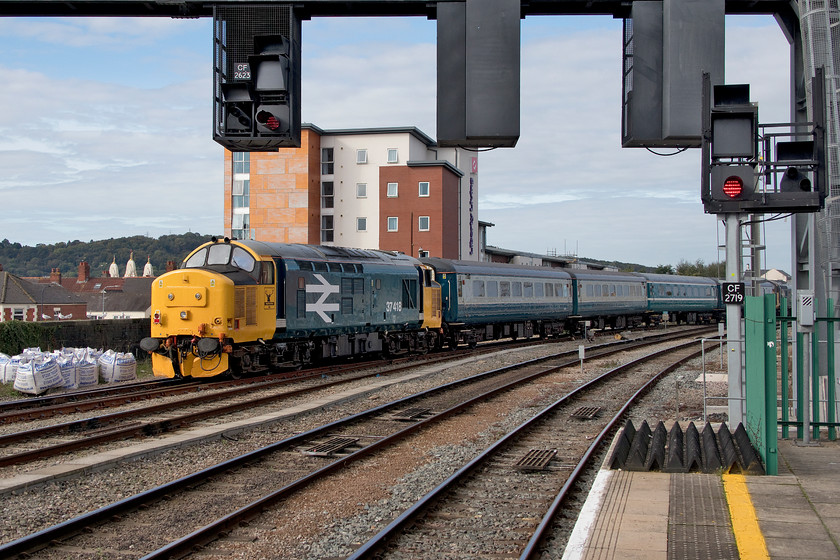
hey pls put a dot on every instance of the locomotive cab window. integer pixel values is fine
(267, 273)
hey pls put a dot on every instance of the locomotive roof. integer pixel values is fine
(324, 253)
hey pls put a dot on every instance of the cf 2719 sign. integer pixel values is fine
(732, 292)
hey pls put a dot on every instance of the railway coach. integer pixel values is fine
(686, 299)
(609, 299)
(487, 301)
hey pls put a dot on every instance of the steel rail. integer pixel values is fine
(36, 404)
(48, 406)
(379, 541)
(45, 537)
(170, 424)
(210, 532)
(531, 549)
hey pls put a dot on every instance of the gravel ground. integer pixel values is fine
(329, 527)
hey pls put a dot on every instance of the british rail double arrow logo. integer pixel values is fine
(321, 307)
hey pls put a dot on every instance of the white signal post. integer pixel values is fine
(734, 347)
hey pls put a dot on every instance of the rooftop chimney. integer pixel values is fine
(84, 272)
(55, 276)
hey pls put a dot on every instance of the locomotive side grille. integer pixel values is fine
(251, 305)
(239, 302)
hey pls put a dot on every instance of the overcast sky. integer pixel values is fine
(106, 131)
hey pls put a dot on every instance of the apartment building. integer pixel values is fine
(374, 188)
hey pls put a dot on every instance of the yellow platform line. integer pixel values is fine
(748, 537)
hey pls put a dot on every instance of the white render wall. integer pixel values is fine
(347, 174)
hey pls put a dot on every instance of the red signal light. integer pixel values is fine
(268, 120)
(733, 186)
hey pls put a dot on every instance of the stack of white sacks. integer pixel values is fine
(35, 372)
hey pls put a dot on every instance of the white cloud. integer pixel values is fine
(123, 146)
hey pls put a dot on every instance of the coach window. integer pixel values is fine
(612, 290)
(492, 289)
(528, 289)
(504, 289)
(590, 290)
(598, 290)
(517, 289)
(549, 290)
(538, 290)
(478, 288)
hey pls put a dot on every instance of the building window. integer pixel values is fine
(424, 188)
(239, 227)
(422, 254)
(361, 190)
(361, 156)
(327, 194)
(361, 224)
(393, 223)
(327, 231)
(393, 155)
(240, 193)
(17, 314)
(393, 189)
(423, 223)
(241, 162)
(327, 163)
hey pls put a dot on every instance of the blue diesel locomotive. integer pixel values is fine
(240, 307)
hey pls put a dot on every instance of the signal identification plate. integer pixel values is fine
(733, 292)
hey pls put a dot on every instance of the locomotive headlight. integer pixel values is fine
(217, 321)
(185, 315)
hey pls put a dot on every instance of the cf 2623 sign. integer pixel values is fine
(732, 292)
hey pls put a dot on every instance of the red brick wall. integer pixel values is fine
(441, 206)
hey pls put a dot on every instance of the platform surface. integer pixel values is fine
(658, 516)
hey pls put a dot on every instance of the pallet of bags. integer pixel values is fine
(117, 366)
(37, 374)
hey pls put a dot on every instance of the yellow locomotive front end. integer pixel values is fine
(203, 311)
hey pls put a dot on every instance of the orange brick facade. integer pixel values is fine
(284, 192)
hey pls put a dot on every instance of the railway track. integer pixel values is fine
(524, 477)
(48, 406)
(213, 401)
(226, 491)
